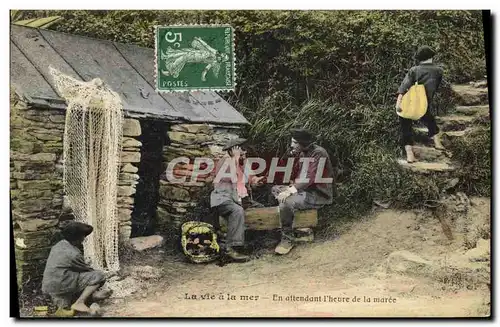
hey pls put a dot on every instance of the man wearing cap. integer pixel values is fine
(305, 193)
(228, 195)
(430, 75)
(67, 278)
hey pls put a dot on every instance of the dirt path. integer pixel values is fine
(401, 258)
(354, 265)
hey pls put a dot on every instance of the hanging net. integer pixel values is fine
(92, 148)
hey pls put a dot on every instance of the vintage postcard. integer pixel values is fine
(258, 163)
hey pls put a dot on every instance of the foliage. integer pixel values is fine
(361, 141)
(351, 57)
(473, 151)
(44, 22)
(15, 15)
(334, 72)
(340, 130)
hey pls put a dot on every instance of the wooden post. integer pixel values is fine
(440, 213)
(269, 219)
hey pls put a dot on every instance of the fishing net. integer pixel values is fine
(92, 148)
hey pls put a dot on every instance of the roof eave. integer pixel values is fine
(60, 104)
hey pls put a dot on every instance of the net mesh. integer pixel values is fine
(92, 149)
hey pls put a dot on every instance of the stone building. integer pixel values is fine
(158, 127)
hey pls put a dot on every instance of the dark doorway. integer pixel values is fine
(153, 139)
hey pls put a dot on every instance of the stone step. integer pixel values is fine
(448, 134)
(479, 84)
(455, 118)
(425, 153)
(461, 133)
(469, 95)
(145, 242)
(424, 167)
(452, 137)
(474, 110)
(455, 122)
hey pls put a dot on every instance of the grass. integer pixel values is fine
(473, 152)
(363, 144)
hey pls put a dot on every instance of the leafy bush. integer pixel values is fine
(364, 144)
(351, 57)
(334, 72)
(338, 128)
(473, 151)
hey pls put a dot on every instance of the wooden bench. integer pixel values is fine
(269, 219)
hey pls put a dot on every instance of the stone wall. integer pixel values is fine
(177, 201)
(36, 182)
(36, 178)
(128, 179)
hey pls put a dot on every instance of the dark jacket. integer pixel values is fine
(317, 193)
(63, 268)
(428, 74)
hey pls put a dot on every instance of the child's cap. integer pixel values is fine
(424, 52)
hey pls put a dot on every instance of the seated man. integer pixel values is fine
(67, 277)
(229, 195)
(305, 193)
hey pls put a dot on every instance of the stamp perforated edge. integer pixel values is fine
(233, 66)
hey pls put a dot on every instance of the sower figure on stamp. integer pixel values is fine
(230, 194)
(314, 188)
(201, 52)
(67, 277)
(430, 75)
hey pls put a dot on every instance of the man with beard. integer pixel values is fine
(305, 193)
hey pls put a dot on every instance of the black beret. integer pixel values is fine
(424, 52)
(302, 136)
(75, 230)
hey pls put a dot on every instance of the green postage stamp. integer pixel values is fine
(194, 57)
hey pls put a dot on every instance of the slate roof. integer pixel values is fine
(128, 69)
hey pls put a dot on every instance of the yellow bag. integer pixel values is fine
(414, 103)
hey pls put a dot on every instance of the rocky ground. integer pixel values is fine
(429, 263)
(401, 261)
(433, 262)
